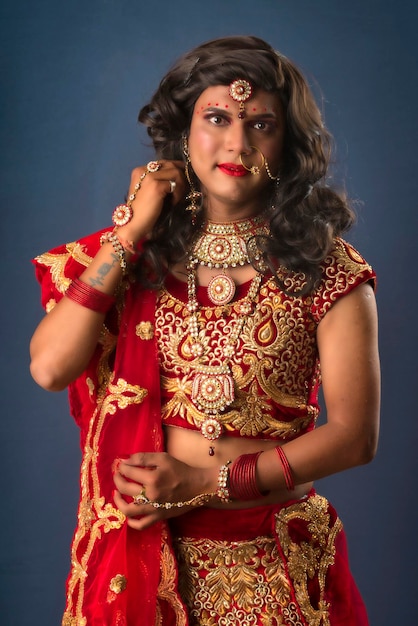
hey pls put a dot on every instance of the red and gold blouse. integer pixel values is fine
(275, 362)
(120, 576)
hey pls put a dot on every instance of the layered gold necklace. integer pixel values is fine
(225, 245)
(219, 246)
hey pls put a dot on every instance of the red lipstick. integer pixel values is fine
(232, 169)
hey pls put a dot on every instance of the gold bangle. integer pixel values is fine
(223, 483)
(118, 248)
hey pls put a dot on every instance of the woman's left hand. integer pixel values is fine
(162, 479)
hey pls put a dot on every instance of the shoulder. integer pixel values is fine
(342, 270)
(56, 268)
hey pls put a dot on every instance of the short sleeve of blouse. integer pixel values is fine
(342, 270)
(55, 270)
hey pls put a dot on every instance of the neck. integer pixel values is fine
(219, 213)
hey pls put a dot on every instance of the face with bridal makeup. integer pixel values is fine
(235, 146)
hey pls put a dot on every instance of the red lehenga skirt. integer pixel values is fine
(278, 565)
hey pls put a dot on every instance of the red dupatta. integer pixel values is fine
(118, 576)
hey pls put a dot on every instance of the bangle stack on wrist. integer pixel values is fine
(290, 483)
(242, 478)
(89, 297)
(112, 238)
(236, 483)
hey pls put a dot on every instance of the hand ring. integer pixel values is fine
(153, 166)
(173, 185)
(141, 498)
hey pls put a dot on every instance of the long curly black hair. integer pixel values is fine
(307, 214)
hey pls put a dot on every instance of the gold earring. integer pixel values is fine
(194, 195)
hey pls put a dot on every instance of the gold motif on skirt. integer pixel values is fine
(233, 583)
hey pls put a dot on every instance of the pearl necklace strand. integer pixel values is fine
(213, 384)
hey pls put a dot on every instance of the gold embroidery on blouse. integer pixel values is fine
(57, 262)
(232, 580)
(50, 305)
(312, 558)
(276, 357)
(273, 360)
(341, 270)
(144, 330)
(95, 516)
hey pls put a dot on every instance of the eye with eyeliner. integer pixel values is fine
(217, 119)
(222, 119)
(263, 126)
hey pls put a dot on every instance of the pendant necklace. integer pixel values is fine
(213, 384)
(225, 245)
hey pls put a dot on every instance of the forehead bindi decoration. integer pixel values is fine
(240, 90)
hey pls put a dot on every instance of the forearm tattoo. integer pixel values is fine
(103, 270)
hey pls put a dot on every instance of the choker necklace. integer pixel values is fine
(213, 383)
(224, 245)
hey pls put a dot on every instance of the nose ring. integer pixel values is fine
(254, 169)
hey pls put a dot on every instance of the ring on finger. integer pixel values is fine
(153, 166)
(141, 498)
(173, 185)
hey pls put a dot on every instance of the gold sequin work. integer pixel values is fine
(277, 579)
(232, 583)
(275, 364)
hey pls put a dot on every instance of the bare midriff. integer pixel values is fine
(190, 447)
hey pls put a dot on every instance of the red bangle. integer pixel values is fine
(242, 478)
(89, 297)
(290, 483)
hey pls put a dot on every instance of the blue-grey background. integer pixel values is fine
(74, 76)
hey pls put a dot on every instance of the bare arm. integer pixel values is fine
(66, 338)
(347, 342)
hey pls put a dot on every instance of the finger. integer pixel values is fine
(144, 459)
(172, 186)
(145, 522)
(169, 184)
(129, 509)
(127, 487)
(166, 167)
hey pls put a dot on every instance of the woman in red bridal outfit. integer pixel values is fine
(193, 336)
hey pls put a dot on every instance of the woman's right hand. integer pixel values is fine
(59, 356)
(153, 192)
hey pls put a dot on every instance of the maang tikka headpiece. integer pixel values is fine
(240, 90)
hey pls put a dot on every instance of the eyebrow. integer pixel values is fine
(249, 113)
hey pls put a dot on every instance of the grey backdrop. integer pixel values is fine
(75, 74)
